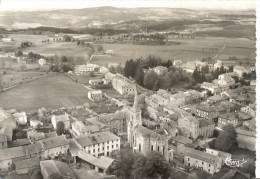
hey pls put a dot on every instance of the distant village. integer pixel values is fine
(191, 129)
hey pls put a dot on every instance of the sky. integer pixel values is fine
(78, 4)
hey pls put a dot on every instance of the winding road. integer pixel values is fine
(225, 43)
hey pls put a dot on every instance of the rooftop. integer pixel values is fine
(57, 167)
(54, 142)
(27, 163)
(63, 117)
(96, 138)
(104, 162)
(203, 156)
(149, 134)
(11, 153)
(204, 123)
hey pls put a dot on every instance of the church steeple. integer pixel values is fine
(135, 105)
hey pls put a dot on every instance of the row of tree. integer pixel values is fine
(61, 64)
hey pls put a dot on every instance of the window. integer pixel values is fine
(93, 150)
(158, 148)
(89, 151)
(188, 159)
(202, 163)
(107, 147)
(98, 149)
(208, 170)
(209, 165)
(139, 147)
(103, 148)
(112, 146)
(152, 148)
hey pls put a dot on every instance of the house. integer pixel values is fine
(35, 136)
(81, 69)
(227, 81)
(8, 156)
(79, 129)
(109, 65)
(205, 111)
(54, 146)
(188, 67)
(35, 123)
(110, 52)
(123, 85)
(219, 153)
(240, 70)
(160, 70)
(99, 144)
(95, 81)
(61, 118)
(202, 160)
(213, 88)
(156, 101)
(178, 99)
(21, 118)
(103, 163)
(177, 62)
(42, 61)
(103, 70)
(219, 64)
(3, 141)
(253, 83)
(55, 169)
(196, 127)
(95, 95)
(192, 96)
(26, 165)
(7, 39)
(215, 99)
(225, 75)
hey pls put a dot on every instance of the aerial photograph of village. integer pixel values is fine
(127, 90)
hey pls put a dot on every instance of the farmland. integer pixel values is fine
(50, 92)
(189, 49)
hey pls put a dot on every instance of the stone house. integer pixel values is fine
(81, 69)
(219, 153)
(178, 99)
(192, 96)
(229, 118)
(95, 95)
(63, 118)
(123, 85)
(240, 70)
(8, 156)
(156, 101)
(203, 161)
(99, 144)
(160, 70)
(213, 88)
(21, 118)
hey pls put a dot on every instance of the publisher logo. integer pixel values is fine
(234, 162)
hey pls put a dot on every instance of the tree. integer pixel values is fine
(42, 111)
(139, 74)
(138, 170)
(165, 82)
(197, 76)
(100, 48)
(157, 164)
(18, 53)
(226, 138)
(149, 79)
(92, 74)
(60, 127)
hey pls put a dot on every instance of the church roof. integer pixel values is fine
(149, 134)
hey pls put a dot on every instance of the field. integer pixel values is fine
(189, 49)
(52, 92)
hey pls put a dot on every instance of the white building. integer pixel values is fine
(42, 61)
(99, 144)
(95, 95)
(21, 118)
(81, 69)
(35, 123)
(64, 118)
(123, 85)
(7, 39)
(160, 70)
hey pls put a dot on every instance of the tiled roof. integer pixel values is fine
(215, 98)
(104, 162)
(209, 85)
(27, 163)
(11, 153)
(205, 122)
(96, 138)
(54, 142)
(57, 167)
(32, 149)
(33, 135)
(182, 139)
(50, 134)
(203, 156)
(149, 134)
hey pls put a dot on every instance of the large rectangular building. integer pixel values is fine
(99, 144)
(123, 85)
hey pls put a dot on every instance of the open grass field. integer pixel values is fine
(189, 49)
(51, 92)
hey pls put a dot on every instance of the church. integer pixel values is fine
(142, 139)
